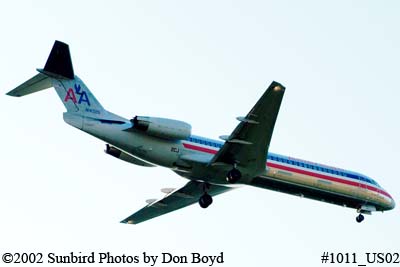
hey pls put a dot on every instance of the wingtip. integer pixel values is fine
(277, 87)
(127, 222)
(12, 94)
(276, 84)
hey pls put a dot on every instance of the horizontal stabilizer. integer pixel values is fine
(58, 65)
(36, 83)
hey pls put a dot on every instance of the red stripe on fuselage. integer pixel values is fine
(299, 171)
(199, 148)
(326, 177)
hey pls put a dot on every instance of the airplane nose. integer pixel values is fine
(389, 205)
(392, 204)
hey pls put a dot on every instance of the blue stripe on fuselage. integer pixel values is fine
(292, 161)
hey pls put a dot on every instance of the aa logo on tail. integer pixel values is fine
(71, 95)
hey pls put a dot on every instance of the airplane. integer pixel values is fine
(211, 167)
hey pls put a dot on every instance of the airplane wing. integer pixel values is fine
(177, 199)
(248, 144)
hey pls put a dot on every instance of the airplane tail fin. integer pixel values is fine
(58, 72)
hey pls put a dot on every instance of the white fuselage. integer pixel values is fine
(190, 159)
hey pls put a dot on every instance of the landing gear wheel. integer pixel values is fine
(233, 176)
(205, 201)
(360, 218)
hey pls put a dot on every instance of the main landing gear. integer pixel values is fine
(205, 200)
(233, 176)
(360, 218)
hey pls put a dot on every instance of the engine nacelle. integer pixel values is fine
(115, 152)
(164, 128)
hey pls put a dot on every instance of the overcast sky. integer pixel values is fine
(204, 62)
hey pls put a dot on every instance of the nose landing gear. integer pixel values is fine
(360, 218)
